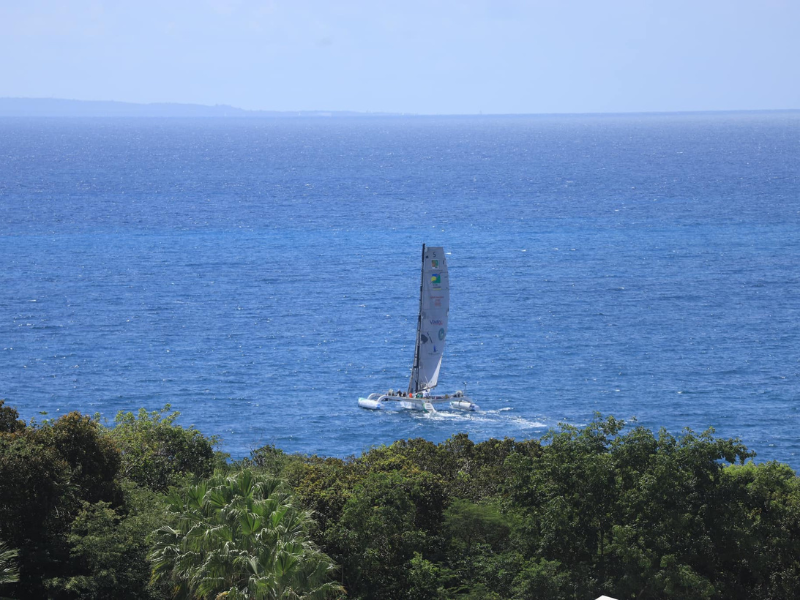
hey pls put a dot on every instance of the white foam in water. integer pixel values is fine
(439, 414)
(528, 424)
(507, 423)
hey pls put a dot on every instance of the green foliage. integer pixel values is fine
(93, 459)
(468, 525)
(9, 571)
(761, 518)
(633, 514)
(157, 453)
(9, 419)
(424, 580)
(35, 488)
(109, 548)
(388, 518)
(478, 550)
(375, 511)
(269, 459)
(541, 578)
(239, 537)
(46, 474)
(582, 512)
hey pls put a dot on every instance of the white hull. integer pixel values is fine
(429, 404)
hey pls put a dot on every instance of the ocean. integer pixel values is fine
(260, 275)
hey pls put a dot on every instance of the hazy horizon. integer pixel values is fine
(74, 107)
(448, 58)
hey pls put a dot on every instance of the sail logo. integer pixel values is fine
(441, 334)
(436, 280)
(434, 264)
(435, 321)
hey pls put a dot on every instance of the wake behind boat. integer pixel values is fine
(434, 306)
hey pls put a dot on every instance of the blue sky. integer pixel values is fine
(427, 57)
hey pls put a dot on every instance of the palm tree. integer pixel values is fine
(239, 538)
(9, 573)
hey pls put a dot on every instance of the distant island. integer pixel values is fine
(55, 107)
(59, 107)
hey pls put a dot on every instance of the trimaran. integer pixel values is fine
(434, 305)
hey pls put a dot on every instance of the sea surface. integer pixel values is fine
(261, 275)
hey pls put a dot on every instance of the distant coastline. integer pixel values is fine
(58, 107)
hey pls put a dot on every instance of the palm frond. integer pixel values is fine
(239, 536)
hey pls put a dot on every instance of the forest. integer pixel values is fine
(143, 508)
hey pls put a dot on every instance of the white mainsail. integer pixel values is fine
(434, 304)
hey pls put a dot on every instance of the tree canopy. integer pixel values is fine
(156, 451)
(147, 509)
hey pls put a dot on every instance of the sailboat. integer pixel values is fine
(434, 306)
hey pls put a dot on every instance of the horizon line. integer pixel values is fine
(246, 112)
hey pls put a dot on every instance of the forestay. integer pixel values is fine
(432, 321)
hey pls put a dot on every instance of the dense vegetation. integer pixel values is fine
(147, 509)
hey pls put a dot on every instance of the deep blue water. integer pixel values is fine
(260, 275)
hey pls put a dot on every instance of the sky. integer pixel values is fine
(420, 57)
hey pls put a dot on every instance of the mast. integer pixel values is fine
(414, 382)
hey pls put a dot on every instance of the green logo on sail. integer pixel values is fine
(441, 333)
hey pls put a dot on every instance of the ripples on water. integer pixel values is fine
(260, 275)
